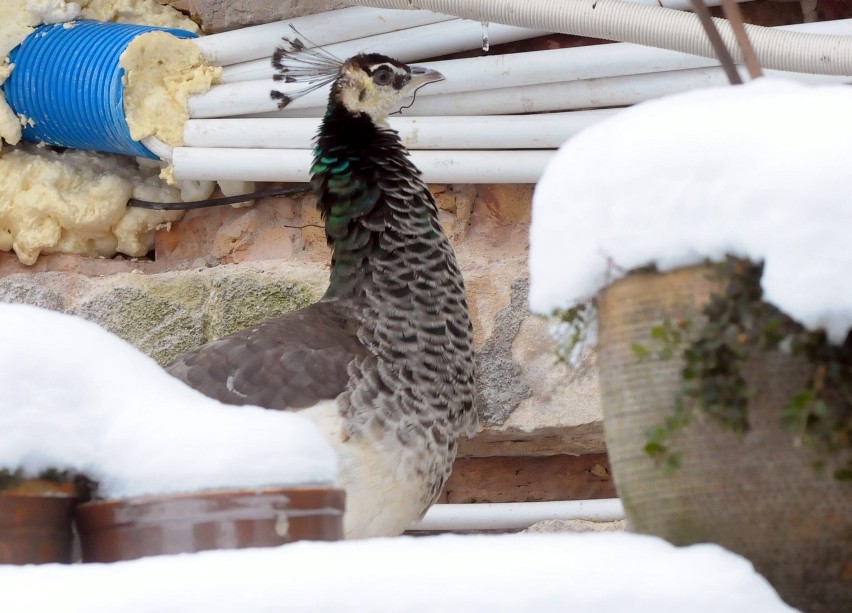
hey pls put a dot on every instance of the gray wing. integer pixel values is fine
(289, 362)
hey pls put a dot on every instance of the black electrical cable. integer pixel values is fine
(201, 204)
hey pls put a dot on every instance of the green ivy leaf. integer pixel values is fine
(843, 474)
(655, 450)
(640, 351)
(673, 462)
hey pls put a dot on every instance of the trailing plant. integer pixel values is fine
(738, 324)
(14, 479)
(575, 330)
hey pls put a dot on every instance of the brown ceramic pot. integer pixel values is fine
(36, 523)
(113, 530)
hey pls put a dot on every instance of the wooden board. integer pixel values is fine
(529, 479)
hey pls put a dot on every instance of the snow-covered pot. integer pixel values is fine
(36, 523)
(755, 494)
(130, 528)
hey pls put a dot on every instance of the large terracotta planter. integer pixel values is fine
(36, 523)
(756, 494)
(130, 528)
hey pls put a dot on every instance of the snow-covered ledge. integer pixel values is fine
(77, 398)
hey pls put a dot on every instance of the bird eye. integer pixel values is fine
(382, 76)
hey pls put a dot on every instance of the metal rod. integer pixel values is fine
(716, 41)
(734, 15)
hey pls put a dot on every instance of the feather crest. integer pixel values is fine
(307, 68)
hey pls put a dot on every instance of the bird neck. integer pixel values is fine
(374, 203)
(394, 264)
(391, 259)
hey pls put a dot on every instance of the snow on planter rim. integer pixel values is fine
(758, 171)
(76, 397)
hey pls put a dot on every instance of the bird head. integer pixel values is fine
(368, 83)
(375, 84)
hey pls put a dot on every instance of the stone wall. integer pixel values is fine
(223, 269)
(222, 15)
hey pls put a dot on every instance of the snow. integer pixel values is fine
(582, 573)
(76, 397)
(758, 171)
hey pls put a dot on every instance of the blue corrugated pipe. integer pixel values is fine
(67, 79)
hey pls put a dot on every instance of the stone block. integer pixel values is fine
(222, 15)
(551, 526)
(167, 314)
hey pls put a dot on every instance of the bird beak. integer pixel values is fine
(420, 75)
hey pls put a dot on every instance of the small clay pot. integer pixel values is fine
(130, 528)
(36, 523)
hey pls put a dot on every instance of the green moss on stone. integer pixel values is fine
(161, 328)
(192, 291)
(166, 315)
(243, 301)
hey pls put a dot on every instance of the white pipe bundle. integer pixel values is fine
(462, 129)
(531, 70)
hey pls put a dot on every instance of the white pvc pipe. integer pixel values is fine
(651, 26)
(245, 98)
(322, 29)
(557, 65)
(515, 515)
(293, 165)
(157, 147)
(683, 5)
(412, 44)
(573, 95)
(544, 131)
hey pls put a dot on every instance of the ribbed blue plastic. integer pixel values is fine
(67, 79)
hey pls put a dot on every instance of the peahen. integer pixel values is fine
(383, 363)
